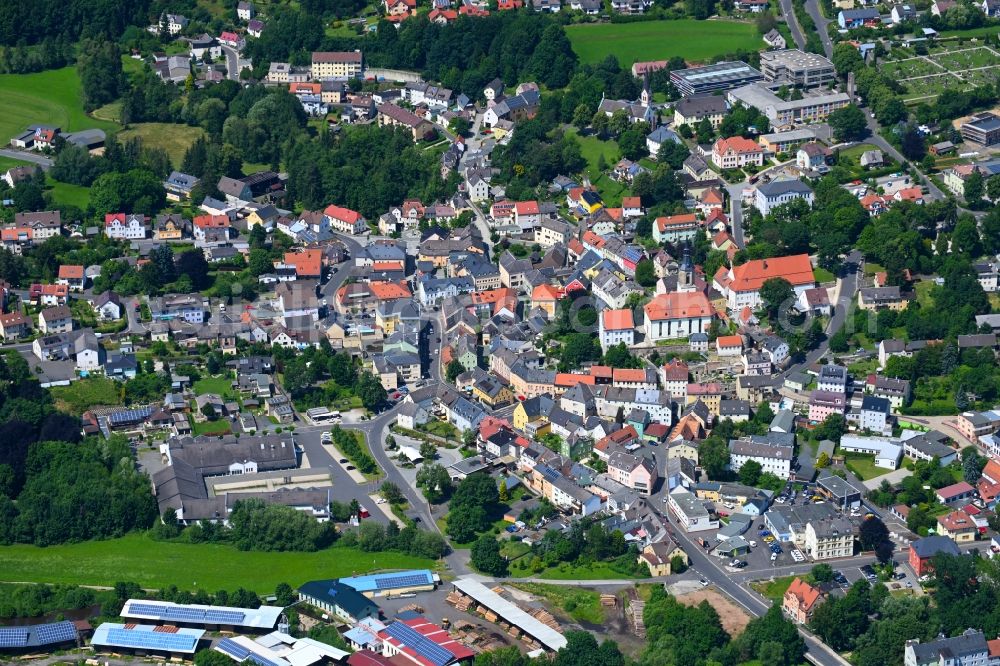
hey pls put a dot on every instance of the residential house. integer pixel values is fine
(922, 552)
(736, 152)
(122, 226)
(800, 601)
(770, 195)
(55, 320)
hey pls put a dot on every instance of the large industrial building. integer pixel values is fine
(28, 638)
(147, 640)
(263, 618)
(710, 78)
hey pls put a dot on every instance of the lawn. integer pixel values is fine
(221, 385)
(51, 97)
(923, 289)
(81, 395)
(822, 275)
(581, 604)
(695, 41)
(773, 589)
(217, 427)
(592, 148)
(595, 571)
(68, 194)
(154, 564)
(8, 163)
(175, 139)
(863, 466)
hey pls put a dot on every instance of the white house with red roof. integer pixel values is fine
(741, 284)
(202, 223)
(677, 315)
(736, 152)
(632, 207)
(345, 220)
(616, 326)
(122, 226)
(527, 215)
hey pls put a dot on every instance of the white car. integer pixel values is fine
(753, 544)
(774, 556)
(326, 437)
(704, 583)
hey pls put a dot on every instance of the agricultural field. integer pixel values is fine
(925, 77)
(156, 564)
(695, 41)
(51, 97)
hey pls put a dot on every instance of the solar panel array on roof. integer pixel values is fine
(13, 637)
(130, 415)
(183, 614)
(56, 632)
(152, 640)
(424, 646)
(547, 472)
(241, 653)
(405, 580)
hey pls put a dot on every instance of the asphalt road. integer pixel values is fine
(27, 156)
(232, 62)
(818, 652)
(848, 290)
(812, 6)
(793, 24)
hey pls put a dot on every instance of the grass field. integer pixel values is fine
(81, 395)
(8, 163)
(822, 275)
(153, 564)
(221, 385)
(592, 148)
(774, 590)
(863, 466)
(581, 604)
(51, 97)
(175, 139)
(68, 194)
(695, 41)
(595, 571)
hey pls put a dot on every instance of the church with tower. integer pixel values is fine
(680, 311)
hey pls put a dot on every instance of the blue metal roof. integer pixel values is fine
(390, 581)
(146, 637)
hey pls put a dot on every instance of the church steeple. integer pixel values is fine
(685, 273)
(647, 96)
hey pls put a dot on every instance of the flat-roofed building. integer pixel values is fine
(982, 128)
(718, 76)
(796, 67)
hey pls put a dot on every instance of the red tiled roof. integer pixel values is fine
(343, 214)
(736, 144)
(729, 341)
(526, 208)
(211, 221)
(752, 275)
(308, 263)
(675, 221)
(676, 305)
(71, 272)
(617, 320)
